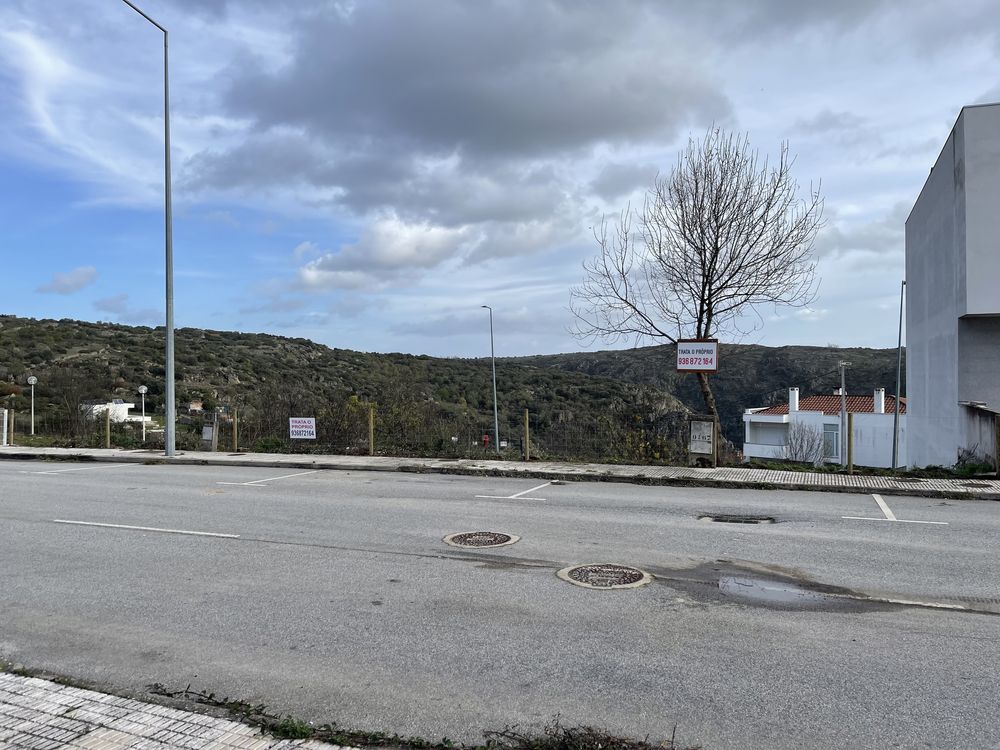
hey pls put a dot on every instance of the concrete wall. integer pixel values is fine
(873, 439)
(982, 209)
(952, 290)
(979, 430)
(979, 363)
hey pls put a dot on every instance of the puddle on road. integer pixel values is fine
(770, 592)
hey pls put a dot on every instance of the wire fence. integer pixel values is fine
(360, 428)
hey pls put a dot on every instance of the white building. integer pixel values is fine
(766, 429)
(119, 411)
(953, 297)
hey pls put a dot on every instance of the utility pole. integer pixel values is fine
(843, 414)
(170, 405)
(493, 357)
(899, 380)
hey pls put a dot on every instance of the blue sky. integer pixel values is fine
(368, 174)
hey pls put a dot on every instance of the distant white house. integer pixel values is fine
(119, 411)
(766, 429)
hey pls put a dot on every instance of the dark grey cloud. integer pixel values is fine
(827, 121)
(483, 78)
(882, 237)
(454, 112)
(618, 179)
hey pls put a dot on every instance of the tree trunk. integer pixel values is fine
(706, 393)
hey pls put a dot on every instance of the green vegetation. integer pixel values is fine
(423, 405)
(617, 406)
(749, 375)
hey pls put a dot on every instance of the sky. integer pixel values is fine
(368, 174)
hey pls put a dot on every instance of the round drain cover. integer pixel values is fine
(480, 539)
(605, 576)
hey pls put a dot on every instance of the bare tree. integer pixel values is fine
(725, 233)
(805, 443)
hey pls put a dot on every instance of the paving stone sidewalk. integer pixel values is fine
(735, 477)
(36, 714)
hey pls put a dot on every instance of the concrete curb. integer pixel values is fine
(434, 466)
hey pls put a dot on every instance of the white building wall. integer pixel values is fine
(873, 440)
(872, 436)
(119, 412)
(952, 272)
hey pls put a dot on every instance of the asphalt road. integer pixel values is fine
(331, 596)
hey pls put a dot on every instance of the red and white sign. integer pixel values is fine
(302, 428)
(698, 355)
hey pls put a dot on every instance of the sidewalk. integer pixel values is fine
(728, 477)
(37, 714)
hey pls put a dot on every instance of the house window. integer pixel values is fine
(831, 441)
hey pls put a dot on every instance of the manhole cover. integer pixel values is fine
(975, 484)
(605, 576)
(731, 518)
(480, 539)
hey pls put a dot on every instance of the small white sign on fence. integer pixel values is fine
(302, 428)
(701, 437)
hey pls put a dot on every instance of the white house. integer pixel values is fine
(766, 429)
(118, 408)
(953, 297)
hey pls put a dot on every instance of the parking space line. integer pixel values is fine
(517, 495)
(894, 520)
(80, 468)
(885, 508)
(259, 482)
(146, 528)
(531, 490)
(889, 515)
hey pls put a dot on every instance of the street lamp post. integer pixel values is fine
(143, 390)
(169, 435)
(496, 418)
(32, 380)
(844, 437)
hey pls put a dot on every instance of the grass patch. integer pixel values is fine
(555, 736)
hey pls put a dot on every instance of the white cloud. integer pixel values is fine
(387, 249)
(70, 282)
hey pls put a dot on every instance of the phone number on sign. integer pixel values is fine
(708, 361)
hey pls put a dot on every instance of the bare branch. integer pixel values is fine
(725, 233)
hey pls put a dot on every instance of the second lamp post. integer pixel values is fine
(496, 418)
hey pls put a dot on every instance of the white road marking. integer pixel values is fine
(259, 482)
(531, 490)
(890, 516)
(885, 508)
(517, 495)
(508, 497)
(894, 520)
(80, 468)
(146, 528)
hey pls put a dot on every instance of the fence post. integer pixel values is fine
(3, 426)
(10, 427)
(850, 442)
(107, 428)
(527, 438)
(371, 429)
(236, 427)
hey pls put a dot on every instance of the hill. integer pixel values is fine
(274, 377)
(749, 375)
(77, 360)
